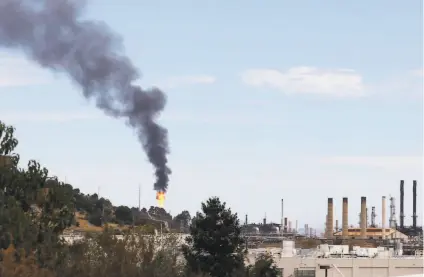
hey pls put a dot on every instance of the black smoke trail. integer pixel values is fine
(53, 34)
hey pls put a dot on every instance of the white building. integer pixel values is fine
(339, 261)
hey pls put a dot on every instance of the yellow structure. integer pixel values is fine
(373, 233)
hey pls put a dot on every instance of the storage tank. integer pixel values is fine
(275, 230)
(255, 230)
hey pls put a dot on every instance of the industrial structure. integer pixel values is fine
(341, 260)
(366, 250)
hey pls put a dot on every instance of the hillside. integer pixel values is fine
(92, 212)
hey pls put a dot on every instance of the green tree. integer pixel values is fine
(183, 218)
(8, 142)
(264, 267)
(124, 215)
(34, 208)
(215, 246)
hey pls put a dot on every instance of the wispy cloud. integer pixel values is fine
(188, 80)
(307, 80)
(17, 71)
(385, 162)
(57, 117)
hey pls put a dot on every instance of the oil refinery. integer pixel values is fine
(349, 251)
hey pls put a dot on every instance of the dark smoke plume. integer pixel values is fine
(53, 34)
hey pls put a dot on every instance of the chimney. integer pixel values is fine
(345, 219)
(282, 217)
(414, 204)
(285, 224)
(383, 217)
(363, 217)
(306, 229)
(246, 222)
(337, 225)
(290, 226)
(401, 215)
(330, 227)
(366, 222)
(264, 220)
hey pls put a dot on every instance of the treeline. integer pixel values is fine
(35, 209)
(100, 211)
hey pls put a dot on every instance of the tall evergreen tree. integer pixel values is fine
(215, 246)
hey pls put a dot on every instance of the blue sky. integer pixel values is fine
(266, 100)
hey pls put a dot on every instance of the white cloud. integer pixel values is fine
(385, 162)
(58, 117)
(17, 71)
(311, 80)
(188, 80)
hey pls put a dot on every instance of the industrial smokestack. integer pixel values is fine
(414, 204)
(282, 217)
(373, 216)
(345, 218)
(285, 225)
(363, 217)
(383, 216)
(246, 222)
(56, 35)
(366, 222)
(290, 226)
(401, 215)
(306, 230)
(337, 225)
(392, 219)
(330, 222)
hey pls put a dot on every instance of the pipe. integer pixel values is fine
(363, 217)
(330, 215)
(401, 215)
(383, 217)
(345, 219)
(414, 204)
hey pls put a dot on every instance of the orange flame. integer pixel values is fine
(160, 197)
